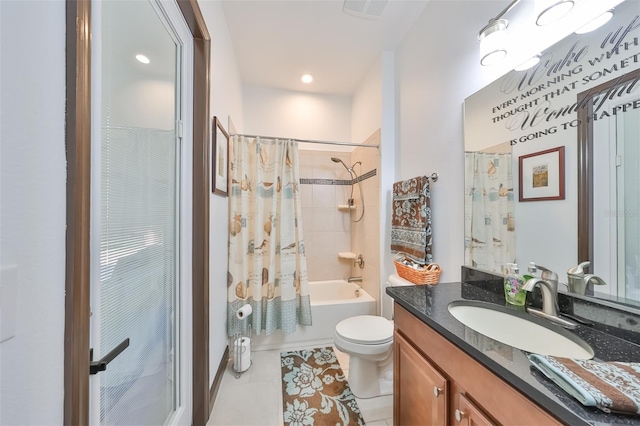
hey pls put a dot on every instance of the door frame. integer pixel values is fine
(78, 154)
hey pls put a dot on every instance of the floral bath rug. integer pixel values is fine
(315, 390)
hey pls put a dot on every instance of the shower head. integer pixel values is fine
(349, 169)
(337, 160)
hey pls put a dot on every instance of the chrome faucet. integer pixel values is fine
(354, 279)
(578, 280)
(548, 283)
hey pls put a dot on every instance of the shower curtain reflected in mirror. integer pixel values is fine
(489, 222)
(267, 264)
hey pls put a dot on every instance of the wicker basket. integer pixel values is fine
(426, 274)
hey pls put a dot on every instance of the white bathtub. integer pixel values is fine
(331, 302)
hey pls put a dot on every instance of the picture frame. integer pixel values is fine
(541, 175)
(219, 159)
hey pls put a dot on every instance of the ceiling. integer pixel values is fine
(275, 42)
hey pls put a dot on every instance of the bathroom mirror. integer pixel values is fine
(584, 97)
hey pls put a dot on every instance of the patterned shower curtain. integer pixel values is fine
(490, 238)
(267, 264)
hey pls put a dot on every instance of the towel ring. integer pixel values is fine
(434, 177)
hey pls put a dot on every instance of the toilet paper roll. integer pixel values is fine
(244, 311)
(242, 356)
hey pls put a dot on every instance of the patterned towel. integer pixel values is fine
(609, 386)
(411, 221)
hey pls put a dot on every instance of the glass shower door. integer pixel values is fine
(135, 220)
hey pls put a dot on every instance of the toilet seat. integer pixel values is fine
(365, 330)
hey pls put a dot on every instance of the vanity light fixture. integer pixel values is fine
(528, 63)
(306, 78)
(553, 12)
(492, 38)
(142, 58)
(596, 23)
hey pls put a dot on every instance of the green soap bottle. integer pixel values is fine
(513, 283)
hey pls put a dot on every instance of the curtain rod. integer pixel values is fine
(310, 141)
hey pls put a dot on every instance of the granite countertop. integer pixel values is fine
(429, 304)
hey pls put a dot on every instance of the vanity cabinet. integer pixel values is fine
(468, 414)
(420, 392)
(436, 383)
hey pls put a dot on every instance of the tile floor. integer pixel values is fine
(256, 397)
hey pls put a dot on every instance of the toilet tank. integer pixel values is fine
(393, 280)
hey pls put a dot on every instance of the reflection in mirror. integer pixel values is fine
(543, 108)
(609, 130)
(489, 207)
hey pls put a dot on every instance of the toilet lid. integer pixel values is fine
(366, 329)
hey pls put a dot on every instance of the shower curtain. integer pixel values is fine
(489, 211)
(267, 264)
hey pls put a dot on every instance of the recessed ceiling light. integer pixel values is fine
(306, 78)
(142, 58)
(596, 23)
(528, 63)
(554, 12)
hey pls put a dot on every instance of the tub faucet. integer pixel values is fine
(548, 283)
(354, 279)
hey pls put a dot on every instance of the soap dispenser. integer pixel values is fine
(532, 272)
(513, 283)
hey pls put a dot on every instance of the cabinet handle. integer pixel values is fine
(459, 415)
(437, 391)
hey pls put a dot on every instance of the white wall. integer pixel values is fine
(284, 113)
(366, 108)
(437, 67)
(388, 172)
(374, 107)
(32, 207)
(226, 101)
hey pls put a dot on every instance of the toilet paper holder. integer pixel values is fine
(240, 342)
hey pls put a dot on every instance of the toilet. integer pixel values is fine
(368, 340)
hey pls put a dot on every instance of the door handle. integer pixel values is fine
(101, 365)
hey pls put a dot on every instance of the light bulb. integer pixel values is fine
(143, 59)
(596, 23)
(554, 12)
(528, 63)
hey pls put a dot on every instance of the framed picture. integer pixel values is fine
(541, 175)
(219, 159)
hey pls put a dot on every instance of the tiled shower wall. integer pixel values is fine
(365, 234)
(327, 230)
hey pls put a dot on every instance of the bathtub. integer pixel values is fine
(331, 302)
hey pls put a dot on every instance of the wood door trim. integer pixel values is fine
(218, 379)
(78, 148)
(201, 391)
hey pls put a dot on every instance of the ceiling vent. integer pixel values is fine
(368, 9)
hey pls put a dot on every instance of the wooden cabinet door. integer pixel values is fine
(468, 414)
(419, 390)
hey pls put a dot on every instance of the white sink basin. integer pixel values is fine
(519, 329)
